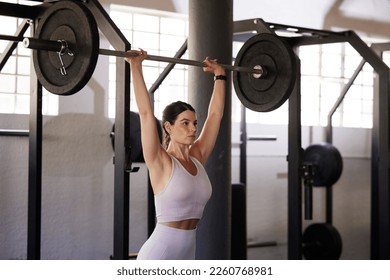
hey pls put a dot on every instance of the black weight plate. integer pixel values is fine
(135, 137)
(271, 91)
(321, 242)
(327, 161)
(74, 23)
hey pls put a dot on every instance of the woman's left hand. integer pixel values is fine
(212, 66)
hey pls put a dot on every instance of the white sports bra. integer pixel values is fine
(185, 195)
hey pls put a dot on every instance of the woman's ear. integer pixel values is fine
(167, 127)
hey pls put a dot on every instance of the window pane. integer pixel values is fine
(128, 34)
(367, 93)
(146, 23)
(329, 94)
(10, 66)
(175, 77)
(366, 121)
(310, 64)
(7, 83)
(22, 104)
(331, 65)
(352, 106)
(7, 25)
(150, 74)
(24, 65)
(122, 20)
(150, 40)
(350, 63)
(173, 26)
(368, 78)
(309, 56)
(170, 42)
(310, 92)
(169, 93)
(23, 84)
(7, 103)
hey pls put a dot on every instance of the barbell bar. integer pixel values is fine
(60, 46)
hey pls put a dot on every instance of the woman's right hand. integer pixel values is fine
(137, 56)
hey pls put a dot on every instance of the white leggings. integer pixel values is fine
(168, 243)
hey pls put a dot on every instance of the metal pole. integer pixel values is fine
(34, 171)
(294, 158)
(243, 145)
(212, 36)
(329, 136)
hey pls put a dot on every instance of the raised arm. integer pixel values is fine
(152, 149)
(204, 145)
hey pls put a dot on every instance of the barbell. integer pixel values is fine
(66, 50)
(62, 47)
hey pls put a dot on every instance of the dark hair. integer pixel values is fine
(170, 114)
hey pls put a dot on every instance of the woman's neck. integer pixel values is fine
(179, 151)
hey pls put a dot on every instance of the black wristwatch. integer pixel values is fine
(220, 77)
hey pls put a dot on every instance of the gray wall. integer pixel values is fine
(77, 206)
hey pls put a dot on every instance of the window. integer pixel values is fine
(325, 69)
(15, 76)
(159, 33)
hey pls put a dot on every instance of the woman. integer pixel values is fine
(180, 184)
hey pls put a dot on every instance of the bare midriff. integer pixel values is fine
(185, 224)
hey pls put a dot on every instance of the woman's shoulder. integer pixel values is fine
(195, 154)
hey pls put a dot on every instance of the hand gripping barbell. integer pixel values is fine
(66, 50)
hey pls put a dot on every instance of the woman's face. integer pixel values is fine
(184, 129)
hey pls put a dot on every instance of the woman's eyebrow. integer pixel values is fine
(185, 119)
